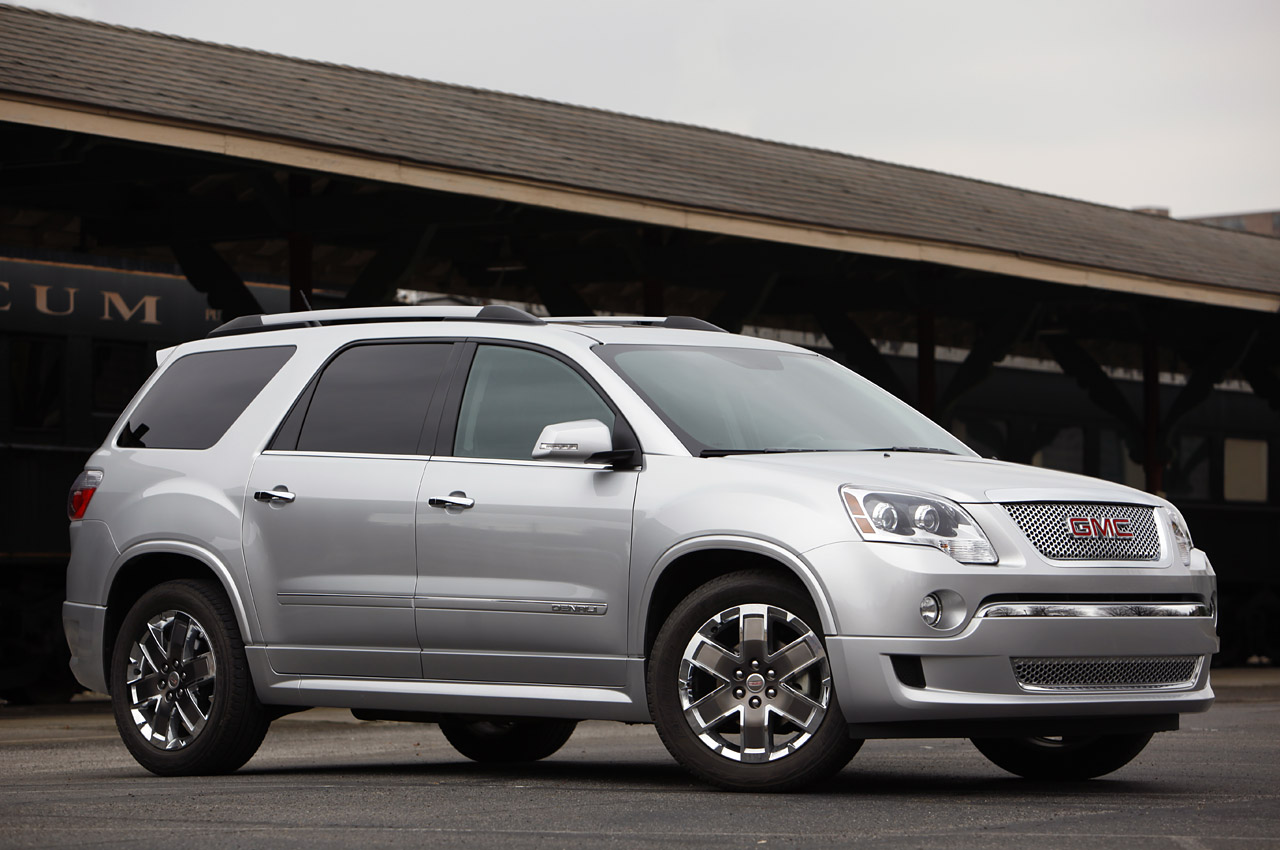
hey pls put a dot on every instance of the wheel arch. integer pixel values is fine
(692, 563)
(146, 565)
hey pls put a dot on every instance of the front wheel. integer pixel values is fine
(740, 687)
(180, 686)
(1064, 758)
(511, 740)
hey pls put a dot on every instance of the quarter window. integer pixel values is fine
(373, 399)
(512, 394)
(197, 398)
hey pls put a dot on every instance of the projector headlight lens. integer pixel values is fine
(885, 516)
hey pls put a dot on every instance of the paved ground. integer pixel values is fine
(325, 780)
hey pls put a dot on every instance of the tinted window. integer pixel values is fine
(197, 398)
(512, 394)
(373, 399)
(35, 382)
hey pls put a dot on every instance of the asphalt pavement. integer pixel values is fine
(323, 779)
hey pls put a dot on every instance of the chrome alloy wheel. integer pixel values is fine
(754, 683)
(170, 677)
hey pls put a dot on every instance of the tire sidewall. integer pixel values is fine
(828, 750)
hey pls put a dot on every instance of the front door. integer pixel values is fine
(522, 564)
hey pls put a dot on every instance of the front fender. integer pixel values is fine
(793, 561)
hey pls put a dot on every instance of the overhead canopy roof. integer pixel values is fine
(96, 78)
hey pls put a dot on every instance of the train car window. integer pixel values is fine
(119, 368)
(197, 399)
(373, 399)
(36, 382)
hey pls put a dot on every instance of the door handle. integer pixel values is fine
(456, 499)
(280, 495)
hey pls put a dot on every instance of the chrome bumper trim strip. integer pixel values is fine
(1094, 609)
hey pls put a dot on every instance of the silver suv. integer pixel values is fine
(505, 525)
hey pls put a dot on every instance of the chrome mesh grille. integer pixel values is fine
(1047, 525)
(1067, 674)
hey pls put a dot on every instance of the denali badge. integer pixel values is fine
(1112, 527)
(571, 608)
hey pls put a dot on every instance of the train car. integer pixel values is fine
(76, 342)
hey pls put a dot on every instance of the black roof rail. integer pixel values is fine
(352, 315)
(689, 323)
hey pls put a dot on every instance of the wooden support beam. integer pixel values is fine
(994, 337)
(389, 267)
(212, 275)
(926, 360)
(741, 303)
(1152, 457)
(858, 351)
(300, 249)
(1098, 385)
(558, 296)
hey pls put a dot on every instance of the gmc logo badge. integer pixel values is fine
(1093, 527)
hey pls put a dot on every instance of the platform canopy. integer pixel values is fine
(108, 82)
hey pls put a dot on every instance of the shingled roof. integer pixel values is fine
(66, 65)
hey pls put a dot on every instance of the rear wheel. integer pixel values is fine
(180, 687)
(507, 740)
(1067, 757)
(740, 687)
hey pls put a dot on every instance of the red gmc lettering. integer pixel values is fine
(1116, 527)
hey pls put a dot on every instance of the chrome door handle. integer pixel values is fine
(274, 496)
(453, 500)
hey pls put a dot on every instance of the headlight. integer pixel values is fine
(891, 517)
(1181, 536)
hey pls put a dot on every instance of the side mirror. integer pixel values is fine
(573, 442)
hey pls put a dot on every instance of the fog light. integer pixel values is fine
(931, 610)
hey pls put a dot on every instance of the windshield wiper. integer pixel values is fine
(926, 449)
(728, 452)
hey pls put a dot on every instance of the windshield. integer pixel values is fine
(744, 400)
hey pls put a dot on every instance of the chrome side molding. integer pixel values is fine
(1095, 609)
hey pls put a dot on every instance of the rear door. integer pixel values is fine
(527, 584)
(329, 532)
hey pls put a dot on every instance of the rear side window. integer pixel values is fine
(373, 399)
(197, 398)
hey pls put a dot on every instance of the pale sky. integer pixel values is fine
(1124, 102)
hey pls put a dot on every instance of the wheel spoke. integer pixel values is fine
(198, 670)
(754, 626)
(795, 656)
(798, 708)
(152, 650)
(192, 717)
(146, 689)
(712, 708)
(161, 722)
(757, 737)
(714, 659)
(177, 638)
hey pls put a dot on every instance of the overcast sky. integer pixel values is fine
(1124, 102)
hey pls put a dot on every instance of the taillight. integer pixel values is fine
(82, 491)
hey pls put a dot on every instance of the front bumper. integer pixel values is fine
(967, 667)
(971, 676)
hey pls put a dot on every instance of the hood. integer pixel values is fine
(960, 479)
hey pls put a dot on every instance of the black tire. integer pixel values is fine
(507, 740)
(748, 698)
(1065, 758)
(194, 653)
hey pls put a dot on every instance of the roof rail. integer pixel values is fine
(349, 315)
(679, 322)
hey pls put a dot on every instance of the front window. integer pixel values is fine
(744, 400)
